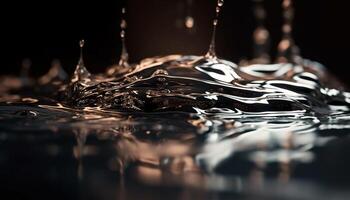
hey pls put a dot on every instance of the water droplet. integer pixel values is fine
(220, 3)
(189, 22)
(81, 43)
(123, 24)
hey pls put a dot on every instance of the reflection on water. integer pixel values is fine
(191, 127)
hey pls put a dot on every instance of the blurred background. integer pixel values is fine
(47, 30)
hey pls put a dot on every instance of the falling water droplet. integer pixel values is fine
(261, 35)
(287, 50)
(211, 52)
(189, 22)
(81, 73)
(220, 3)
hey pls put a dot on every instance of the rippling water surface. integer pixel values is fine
(178, 124)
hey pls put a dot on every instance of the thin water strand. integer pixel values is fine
(212, 50)
(81, 73)
(123, 63)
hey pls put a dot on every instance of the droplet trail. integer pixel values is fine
(287, 50)
(261, 35)
(212, 52)
(124, 56)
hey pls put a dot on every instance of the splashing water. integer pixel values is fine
(188, 115)
(194, 121)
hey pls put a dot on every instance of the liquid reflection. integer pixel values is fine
(196, 122)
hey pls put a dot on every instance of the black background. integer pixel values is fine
(46, 30)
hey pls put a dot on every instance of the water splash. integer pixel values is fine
(81, 73)
(200, 85)
(212, 52)
(188, 120)
(185, 116)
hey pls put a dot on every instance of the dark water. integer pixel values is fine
(177, 127)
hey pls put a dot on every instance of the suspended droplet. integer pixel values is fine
(189, 22)
(81, 73)
(220, 3)
(81, 43)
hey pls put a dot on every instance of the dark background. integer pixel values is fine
(46, 30)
